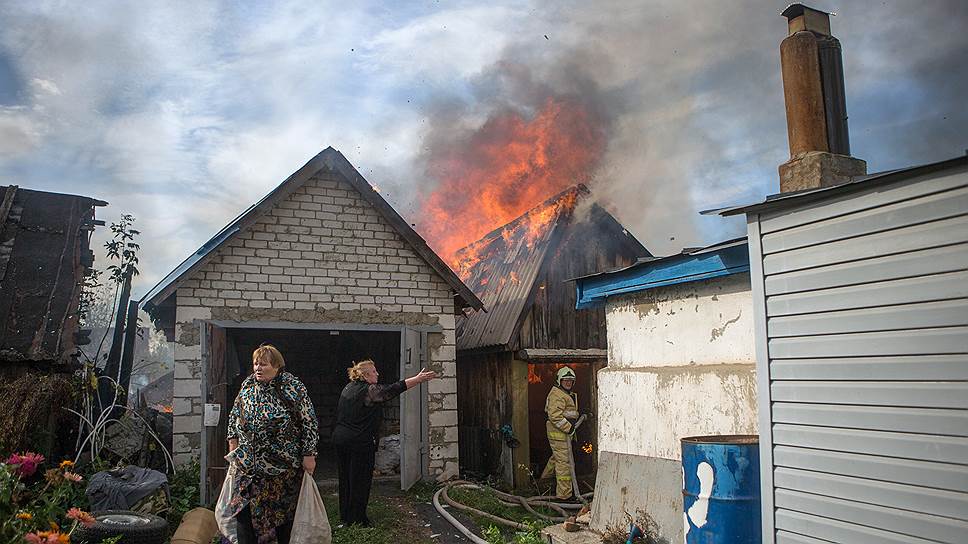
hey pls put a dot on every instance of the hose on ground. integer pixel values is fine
(528, 503)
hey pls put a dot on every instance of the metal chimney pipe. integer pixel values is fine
(816, 105)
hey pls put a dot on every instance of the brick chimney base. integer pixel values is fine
(816, 169)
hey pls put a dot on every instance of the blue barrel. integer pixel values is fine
(721, 489)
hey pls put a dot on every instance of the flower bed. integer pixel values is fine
(40, 506)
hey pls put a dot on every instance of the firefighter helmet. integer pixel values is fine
(564, 373)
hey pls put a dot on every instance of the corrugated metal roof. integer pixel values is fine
(502, 269)
(328, 158)
(692, 264)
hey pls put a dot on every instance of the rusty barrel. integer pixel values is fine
(721, 489)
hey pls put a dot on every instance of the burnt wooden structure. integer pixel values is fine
(44, 255)
(508, 356)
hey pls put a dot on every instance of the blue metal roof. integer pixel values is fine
(722, 259)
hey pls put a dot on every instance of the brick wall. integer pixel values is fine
(323, 255)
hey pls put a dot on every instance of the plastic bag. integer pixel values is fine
(310, 526)
(227, 524)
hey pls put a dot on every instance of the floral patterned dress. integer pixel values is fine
(275, 424)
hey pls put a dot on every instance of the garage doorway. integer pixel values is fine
(319, 356)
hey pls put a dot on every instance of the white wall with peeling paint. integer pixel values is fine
(681, 362)
(696, 323)
(647, 413)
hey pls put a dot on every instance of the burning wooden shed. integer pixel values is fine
(507, 356)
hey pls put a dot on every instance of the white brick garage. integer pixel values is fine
(323, 251)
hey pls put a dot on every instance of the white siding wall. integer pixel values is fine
(863, 306)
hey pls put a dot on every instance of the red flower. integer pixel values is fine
(47, 537)
(80, 515)
(26, 463)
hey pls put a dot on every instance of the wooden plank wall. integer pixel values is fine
(484, 392)
(586, 245)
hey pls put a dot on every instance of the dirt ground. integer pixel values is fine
(398, 518)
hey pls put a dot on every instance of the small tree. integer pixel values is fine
(102, 393)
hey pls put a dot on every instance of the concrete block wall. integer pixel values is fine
(323, 255)
(681, 362)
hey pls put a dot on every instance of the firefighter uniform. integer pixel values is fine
(561, 408)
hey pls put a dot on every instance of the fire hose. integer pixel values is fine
(507, 499)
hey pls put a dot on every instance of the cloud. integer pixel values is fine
(19, 132)
(443, 47)
(186, 113)
(694, 98)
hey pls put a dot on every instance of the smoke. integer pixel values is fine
(690, 102)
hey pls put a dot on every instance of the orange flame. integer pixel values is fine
(587, 448)
(504, 168)
(526, 229)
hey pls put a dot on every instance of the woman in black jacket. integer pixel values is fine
(358, 418)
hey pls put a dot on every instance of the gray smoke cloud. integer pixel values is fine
(184, 114)
(691, 99)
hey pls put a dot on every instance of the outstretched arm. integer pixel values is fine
(421, 377)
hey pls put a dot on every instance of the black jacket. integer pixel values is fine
(359, 413)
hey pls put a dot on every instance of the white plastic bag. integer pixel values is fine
(310, 526)
(227, 524)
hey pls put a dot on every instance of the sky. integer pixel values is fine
(185, 113)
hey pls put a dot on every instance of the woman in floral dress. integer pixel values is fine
(273, 432)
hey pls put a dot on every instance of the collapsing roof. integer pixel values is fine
(44, 255)
(332, 160)
(502, 266)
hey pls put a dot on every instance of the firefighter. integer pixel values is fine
(561, 408)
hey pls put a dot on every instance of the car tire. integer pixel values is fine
(135, 528)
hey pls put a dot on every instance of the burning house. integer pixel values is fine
(324, 268)
(507, 356)
(45, 255)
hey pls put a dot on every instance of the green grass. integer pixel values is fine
(486, 501)
(423, 491)
(388, 524)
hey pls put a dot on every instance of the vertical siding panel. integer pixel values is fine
(764, 402)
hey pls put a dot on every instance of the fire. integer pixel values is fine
(587, 448)
(533, 377)
(499, 171)
(526, 229)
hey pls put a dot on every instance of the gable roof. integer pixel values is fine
(504, 265)
(331, 159)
